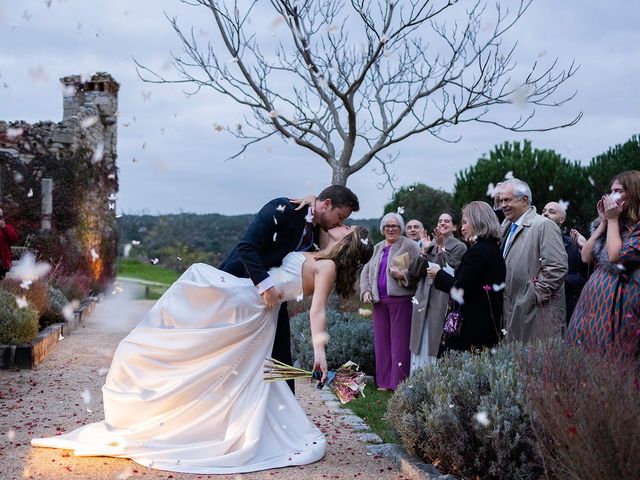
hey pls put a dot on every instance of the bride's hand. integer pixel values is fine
(320, 364)
(303, 202)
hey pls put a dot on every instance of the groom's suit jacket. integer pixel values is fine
(275, 231)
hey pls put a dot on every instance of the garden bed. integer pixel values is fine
(31, 354)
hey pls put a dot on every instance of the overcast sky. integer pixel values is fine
(172, 160)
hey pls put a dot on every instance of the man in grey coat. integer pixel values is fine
(536, 260)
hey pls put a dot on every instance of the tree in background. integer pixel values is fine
(607, 165)
(349, 81)
(422, 202)
(550, 176)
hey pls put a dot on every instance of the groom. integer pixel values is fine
(278, 229)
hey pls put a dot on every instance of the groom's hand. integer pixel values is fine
(271, 297)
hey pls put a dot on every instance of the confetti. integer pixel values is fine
(414, 300)
(127, 250)
(508, 175)
(98, 153)
(401, 210)
(89, 121)
(457, 294)
(497, 287)
(30, 193)
(551, 188)
(592, 181)
(86, 396)
(94, 254)
(28, 269)
(135, 242)
(155, 261)
(491, 190)
(365, 241)
(482, 418)
(563, 204)
(14, 132)
(281, 208)
(299, 297)
(275, 235)
(22, 302)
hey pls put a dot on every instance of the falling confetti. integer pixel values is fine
(482, 418)
(14, 132)
(365, 241)
(563, 204)
(508, 175)
(592, 181)
(22, 302)
(98, 153)
(401, 210)
(414, 300)
(135, 242)
(155, 261)
(497, 287)
(300, 297)
(94, 254)
(89, 121)
(281, 208)
(275, 235)
(69, 309)
(457, 294)
(491, 190)
(127, 250)
(86, 396)
(30, 193)
(28, 269)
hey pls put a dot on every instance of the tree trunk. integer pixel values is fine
(340, 175)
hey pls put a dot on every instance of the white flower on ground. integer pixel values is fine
(86, 396)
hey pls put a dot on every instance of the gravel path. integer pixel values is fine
(64, 392)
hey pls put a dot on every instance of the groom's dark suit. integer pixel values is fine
(276, 230)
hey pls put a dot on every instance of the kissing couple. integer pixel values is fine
(185, 391)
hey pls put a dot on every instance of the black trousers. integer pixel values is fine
(282, 341)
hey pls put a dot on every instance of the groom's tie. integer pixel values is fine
(306, 242)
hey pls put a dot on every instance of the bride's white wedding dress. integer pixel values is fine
(185, 391)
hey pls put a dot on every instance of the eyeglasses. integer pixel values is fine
(392, 227)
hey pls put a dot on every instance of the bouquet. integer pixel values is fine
(347, 381)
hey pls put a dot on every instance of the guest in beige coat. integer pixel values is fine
(384, 286)
(430, 305)
(534, 302)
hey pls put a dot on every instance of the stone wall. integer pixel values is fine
(79, 155)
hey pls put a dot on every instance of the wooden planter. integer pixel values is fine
(31, 354)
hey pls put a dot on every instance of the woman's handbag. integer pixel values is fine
(453, 322)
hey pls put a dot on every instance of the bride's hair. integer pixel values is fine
(349, 255)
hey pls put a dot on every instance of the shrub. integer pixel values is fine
(37, 294)
(53, 313)
(586, 413)
(76, 286)
(434, 414)
(17, 325)
(351, 338)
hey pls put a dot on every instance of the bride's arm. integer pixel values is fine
(323, 279)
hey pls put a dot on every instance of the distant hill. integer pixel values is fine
(178, 240)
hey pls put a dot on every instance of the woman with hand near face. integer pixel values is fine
(609, 306)
(430, 307)
(383, 284)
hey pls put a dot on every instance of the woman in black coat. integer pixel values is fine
(476, 289)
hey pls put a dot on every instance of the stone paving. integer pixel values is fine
(64, 392)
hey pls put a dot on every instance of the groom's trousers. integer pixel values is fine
(282, 341)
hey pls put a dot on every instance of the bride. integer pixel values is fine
(185, 391)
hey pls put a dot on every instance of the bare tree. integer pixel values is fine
(356, 77)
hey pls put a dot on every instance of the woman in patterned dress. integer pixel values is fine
(609, 306)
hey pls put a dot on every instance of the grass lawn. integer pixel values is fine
(145, 271)
(371, 409)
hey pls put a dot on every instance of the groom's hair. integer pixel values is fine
(340, 196)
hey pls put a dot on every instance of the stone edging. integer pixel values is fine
(31, 354)
(410, 466)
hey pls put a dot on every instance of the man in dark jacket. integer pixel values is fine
(278, 229)
(577, 274)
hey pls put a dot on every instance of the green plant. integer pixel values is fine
(371, 408)
(468, 415)
(17, 325)
(351, 338)
(53, 313)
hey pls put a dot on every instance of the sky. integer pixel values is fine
(171, 158)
